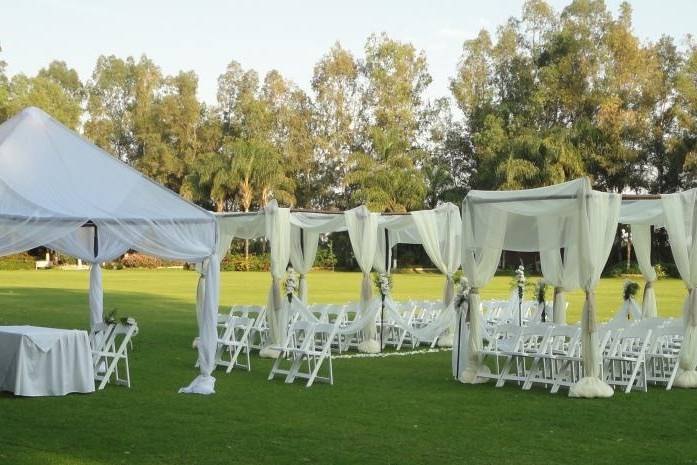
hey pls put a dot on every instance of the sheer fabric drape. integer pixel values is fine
(278, 233)
(439, 231)
(599, 216)
(303, 250)
(362, 228)
(679, 210)
(641, 239)
(479, 266)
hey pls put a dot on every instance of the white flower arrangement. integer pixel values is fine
(520, 276)
(463, 290)
(385, 284)
(291, 282)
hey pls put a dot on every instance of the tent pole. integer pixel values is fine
(95, 242)
(387, 271)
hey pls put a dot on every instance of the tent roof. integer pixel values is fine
(49, 170)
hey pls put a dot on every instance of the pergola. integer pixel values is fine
(570, 217)
(293, 237)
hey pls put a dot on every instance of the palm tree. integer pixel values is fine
(386, 178)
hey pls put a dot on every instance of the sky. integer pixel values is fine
(287, 35)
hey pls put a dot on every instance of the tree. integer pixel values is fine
(67, 78)
(686, 114)
(385, 178)
(396, 77)
(110, 100)
(44, 93)
(291, 132)
(4, 90)
(336, 114)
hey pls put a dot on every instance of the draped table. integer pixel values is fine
(36, 361)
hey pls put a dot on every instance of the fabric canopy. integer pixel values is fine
(569, 216)
(58, 189)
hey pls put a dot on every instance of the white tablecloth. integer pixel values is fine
(37, 361)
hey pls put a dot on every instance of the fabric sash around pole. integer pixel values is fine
(559, 306)
(96, 297)
(474, 341)
(590, 385)
(687, 369)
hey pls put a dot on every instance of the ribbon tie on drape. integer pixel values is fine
(473, 292)
(591, 327)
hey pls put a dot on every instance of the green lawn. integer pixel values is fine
(399, 410)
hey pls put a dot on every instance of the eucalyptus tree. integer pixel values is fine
(4, 91)
(45, 93)
(336, 115)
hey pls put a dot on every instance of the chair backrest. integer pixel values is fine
(564, 338)
(102, 336)
(127, 331)
(633, 339)
(505, 334)
(241, 321)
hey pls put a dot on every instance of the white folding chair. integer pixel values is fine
(300, 335)
(529, 345)
(259, 333)
(233, 341)
(503, 338)
(664, 353)
(558, 360)
(113, 351)
(312, 355)
(626, 361)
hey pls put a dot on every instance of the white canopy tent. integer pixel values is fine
(677, 213)
(58, 189)
(569, 216)
(294, 237)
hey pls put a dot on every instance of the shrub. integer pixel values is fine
(238, 262)
(137, 260)
(20, 261)
(325, 258)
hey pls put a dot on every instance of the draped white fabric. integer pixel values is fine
(480, 259)
(679, 210)
(277, 222)
(362, 228)
(83, 243)
(53, 182)
(641, 238)
(443, 247)
(357, 324)
(569, 216)
(598, 228)
(558, 272)
(303, 250)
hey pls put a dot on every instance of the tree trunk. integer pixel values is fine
(246, 243)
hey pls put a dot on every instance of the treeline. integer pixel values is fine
(551, 96)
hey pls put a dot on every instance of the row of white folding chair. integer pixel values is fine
(329, 313)
(259, 333)
(233, 341)
(305, 349)
(425, 314)
(644, 351)
(110, 344)
(512, 348)
(395, 334)
(664, 352)
(542, 353)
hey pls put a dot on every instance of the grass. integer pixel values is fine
(399, 410)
